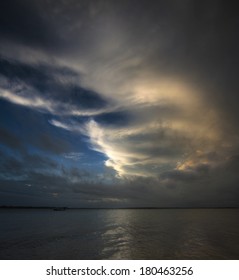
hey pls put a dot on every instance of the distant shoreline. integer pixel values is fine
(111, 208)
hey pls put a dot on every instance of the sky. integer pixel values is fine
(119, 103)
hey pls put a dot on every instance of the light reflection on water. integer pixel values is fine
(119, 234)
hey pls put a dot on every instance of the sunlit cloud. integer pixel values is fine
(145, 91)
(55, 107)
(169, 124)
(33, 102)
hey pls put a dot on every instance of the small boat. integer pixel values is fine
(59, 208)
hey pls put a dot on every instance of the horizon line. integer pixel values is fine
(105, 208)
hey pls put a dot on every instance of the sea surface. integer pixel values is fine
(119, 234)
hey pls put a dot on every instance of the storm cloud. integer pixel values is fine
(131, 103)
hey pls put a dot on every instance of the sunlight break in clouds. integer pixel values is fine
(169, 123)
(169, 119)
(119, 103)
(159, 138)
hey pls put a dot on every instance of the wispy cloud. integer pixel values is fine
(74, 156)
(52, 106)
(149, 89)
(35, 102)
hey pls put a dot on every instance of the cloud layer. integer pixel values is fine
(138, 96)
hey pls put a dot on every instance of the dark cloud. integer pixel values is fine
(85, 98)
(11, 140)
(11, 167)
(41, 77)
(201, 46)
(198, 173)
(19, 167)
(183, 190)
(50, 143)
(20, 21)
(58, 86)
(36, 161)
(177, 175)
(148, 88)
(118, 119)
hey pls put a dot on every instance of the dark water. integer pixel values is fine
(119, 234)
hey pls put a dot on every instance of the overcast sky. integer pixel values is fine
(119, 103)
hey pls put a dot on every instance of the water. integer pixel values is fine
(119, 234)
